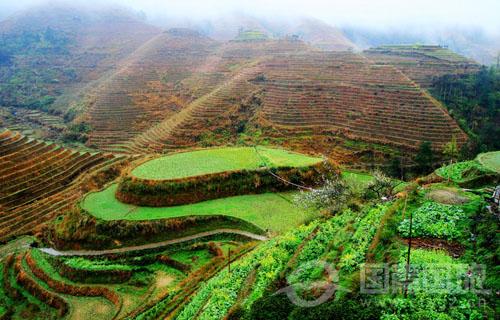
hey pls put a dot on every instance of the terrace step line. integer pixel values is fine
(54, 252)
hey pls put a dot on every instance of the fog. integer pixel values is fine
(378, 14)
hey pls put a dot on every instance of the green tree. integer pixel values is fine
(451, 151)
(396, 168)
(381, 186)
(474, 101)
(425, 157)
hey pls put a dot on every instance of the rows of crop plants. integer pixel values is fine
(319, 241)
(346, 246)
(440, 288)
(39, 179)
(174, 300)
(221, 292)
(95, 287)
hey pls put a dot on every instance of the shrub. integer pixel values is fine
(434, 220)
(159, 193)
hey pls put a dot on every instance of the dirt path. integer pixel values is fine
(155, 245)
(453, 248)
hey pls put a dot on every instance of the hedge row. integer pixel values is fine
(173, 263)
(69, 289)
(37, 291)
(161, 193)
(81, 230)
(9, 289)
(91, 276)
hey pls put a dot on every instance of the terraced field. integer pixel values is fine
(142, 92)
(422, 63)
(220, 85)
(269, 211)
(104, 288)
(183, 90)
(39, 180)
(187, 201)
(483, 169)
(219, 160)
(490, 160)
(352, 96)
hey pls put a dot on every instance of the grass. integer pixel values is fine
(271, 211)
(251, 35)
(188, 164)
(357, 178)
(94, 265)
(490, 160)
(456, 171)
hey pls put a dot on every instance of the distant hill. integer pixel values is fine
(110, 81)
(312, 31)
(51, 54)
(475, 44)
(422, 63)
(147, 86)
(317, 33)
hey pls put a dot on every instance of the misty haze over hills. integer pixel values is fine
(461, 27)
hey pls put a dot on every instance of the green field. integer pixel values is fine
(188, 164)
(485, 163)
(490, 160)
(360, 178)
(271, 211)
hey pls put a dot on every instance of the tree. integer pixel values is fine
(332, 196)
(396, 168)
(381, 186)
(425, 157)
(450, 150)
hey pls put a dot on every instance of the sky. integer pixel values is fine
(484, 14)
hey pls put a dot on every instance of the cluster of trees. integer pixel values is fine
(474, 101)
(28, 75)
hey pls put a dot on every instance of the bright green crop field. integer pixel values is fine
(195, 163)
(271, 211)
(490, 160)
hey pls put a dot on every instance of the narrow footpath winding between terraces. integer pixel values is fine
(155, 245)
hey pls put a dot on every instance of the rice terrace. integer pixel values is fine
(211, 160)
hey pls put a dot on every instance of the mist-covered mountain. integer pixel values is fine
(473, 43)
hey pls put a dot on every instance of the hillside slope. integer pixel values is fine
(219, 83)
(39, 180)
(422, 63)
(53, 54)
(293, 98)
(145, 88)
